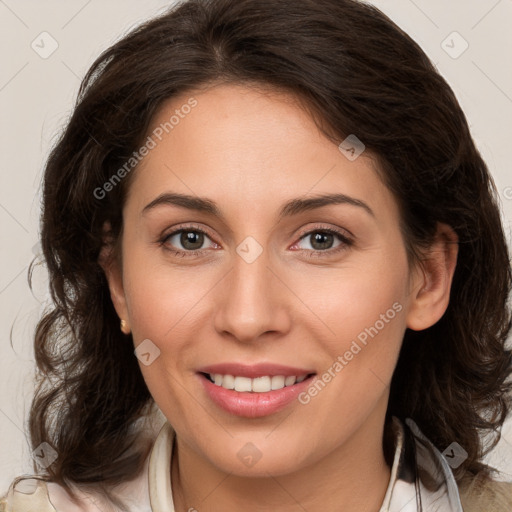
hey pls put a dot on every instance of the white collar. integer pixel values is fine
(159, 471)
(402, 493)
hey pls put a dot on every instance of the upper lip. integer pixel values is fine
(254, 370)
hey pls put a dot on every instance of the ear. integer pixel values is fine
(432, 280)
(111, 265)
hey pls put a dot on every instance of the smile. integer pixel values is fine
(253, 391)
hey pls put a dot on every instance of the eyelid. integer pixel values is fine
(344, 233)
(187, 227)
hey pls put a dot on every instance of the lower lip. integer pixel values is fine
(253, 405)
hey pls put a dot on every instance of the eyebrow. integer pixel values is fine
(290, 208)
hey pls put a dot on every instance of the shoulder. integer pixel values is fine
(482, 494)
(34, 494)
(30, 493)
(26, 494)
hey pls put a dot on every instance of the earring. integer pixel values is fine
(123, 327)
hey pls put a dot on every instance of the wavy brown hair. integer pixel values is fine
(355, 72)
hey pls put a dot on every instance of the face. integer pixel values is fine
(259, 280)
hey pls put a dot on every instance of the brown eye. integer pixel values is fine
(191, 240)
(321, 240)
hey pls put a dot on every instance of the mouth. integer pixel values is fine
(253, 391)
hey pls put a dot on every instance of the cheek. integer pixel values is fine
(362, 308)
(161, 298)
(363, 299)
(163, 304)
(363, 327)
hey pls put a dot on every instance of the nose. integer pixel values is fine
(252, 301)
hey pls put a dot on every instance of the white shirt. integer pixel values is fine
(151, 491)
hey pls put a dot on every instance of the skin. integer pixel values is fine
(250, 151)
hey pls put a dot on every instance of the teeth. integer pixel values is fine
(261, 384)
(290, 380)
(278, 382)
(256, 385)
(227, 381)
(241, 383)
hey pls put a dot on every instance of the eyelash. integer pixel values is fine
(346, 241)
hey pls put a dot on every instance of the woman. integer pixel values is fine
(267, 220)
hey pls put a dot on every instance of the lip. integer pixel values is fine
(254, 370)
(253, 405)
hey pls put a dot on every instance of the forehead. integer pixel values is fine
(246, 146)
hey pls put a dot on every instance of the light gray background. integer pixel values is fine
(36, 97)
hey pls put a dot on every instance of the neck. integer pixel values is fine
(353, 477)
